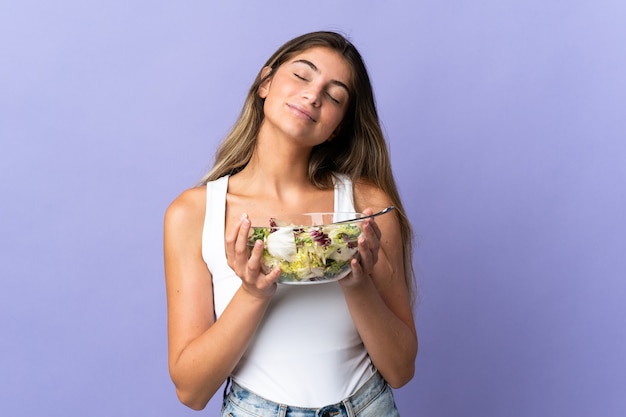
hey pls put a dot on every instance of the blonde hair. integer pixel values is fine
(358, 150)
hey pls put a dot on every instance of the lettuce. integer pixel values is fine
(308, 254)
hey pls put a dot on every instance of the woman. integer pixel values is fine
(308, 140)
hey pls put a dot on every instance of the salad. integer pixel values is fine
(307, 254)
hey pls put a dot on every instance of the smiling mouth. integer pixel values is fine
(301, 111)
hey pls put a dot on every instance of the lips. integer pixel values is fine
(301, 111)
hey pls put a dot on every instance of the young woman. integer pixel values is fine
(308, 140)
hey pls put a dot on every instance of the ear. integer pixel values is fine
(264, 88)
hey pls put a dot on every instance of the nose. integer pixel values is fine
(313, 95)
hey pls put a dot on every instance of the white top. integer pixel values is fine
(306, 351)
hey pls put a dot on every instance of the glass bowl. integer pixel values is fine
(309, 248)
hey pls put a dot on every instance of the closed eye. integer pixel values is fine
(300, 77)
(333, 98)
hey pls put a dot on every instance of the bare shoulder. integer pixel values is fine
(369, 195)
(188, 209)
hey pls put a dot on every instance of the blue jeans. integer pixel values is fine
(373, 399)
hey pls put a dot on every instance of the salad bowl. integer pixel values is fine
(309, 248)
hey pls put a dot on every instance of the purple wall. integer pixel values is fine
(508, 136)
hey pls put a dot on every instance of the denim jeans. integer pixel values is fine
(373, 399)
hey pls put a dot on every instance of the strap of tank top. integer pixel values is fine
(344, 198)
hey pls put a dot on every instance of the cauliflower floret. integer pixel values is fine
(281, 244)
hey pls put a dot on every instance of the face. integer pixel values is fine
(307, 96)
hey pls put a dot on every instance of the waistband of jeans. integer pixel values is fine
(367, 392)
(357, 401)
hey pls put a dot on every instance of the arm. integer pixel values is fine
(202, 352)
(377, 295)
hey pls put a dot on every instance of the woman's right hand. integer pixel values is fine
(248, 266)
(203, 350)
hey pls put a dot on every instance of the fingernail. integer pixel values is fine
(243, 216)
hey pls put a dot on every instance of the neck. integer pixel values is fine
(278, 168)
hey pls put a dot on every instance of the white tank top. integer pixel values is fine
(306, 351)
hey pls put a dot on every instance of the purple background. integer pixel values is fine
(507, 127)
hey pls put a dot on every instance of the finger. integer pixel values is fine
(230, 239)
(273, 276)
(368, 256)
(372, 223)
(241, 242)
(357, 269)
(371, 231)
(254, 262)
(355, 276)
(371, 234)
(255, 266)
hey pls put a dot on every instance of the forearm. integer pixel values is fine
(205, 363)
(390, 342)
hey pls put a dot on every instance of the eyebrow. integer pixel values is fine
(314, 68)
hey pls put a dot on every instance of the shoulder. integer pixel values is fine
(369, 195)
(188, 209)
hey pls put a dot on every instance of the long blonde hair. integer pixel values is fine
(358, 150)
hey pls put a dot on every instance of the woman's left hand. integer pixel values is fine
(369, 245)
(378, 298)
